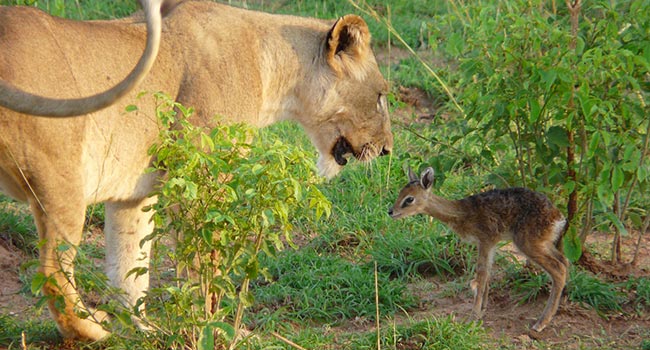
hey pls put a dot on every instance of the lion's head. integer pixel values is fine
(353, 119)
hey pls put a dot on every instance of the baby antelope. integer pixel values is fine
(527, 218)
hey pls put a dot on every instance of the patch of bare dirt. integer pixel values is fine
(598, 258)
(419, 106)
(390, 56)
(508, 322)
(12, 302)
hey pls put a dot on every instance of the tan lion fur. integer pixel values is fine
(24, 102)
(242, 65)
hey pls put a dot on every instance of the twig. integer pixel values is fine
(287, 341)
(377, 308)
(23, 342)
(644, 228)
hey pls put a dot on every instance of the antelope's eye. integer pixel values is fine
(407, 201)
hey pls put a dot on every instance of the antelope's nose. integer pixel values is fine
(390, 211)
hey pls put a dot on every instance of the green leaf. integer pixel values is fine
(131, 108)
(206, 338)
(557, 135)
(137, 271)
(124, 318)
(593, 144)
(207, 235)
(207, 142)
(548, 78)
(191, 191)
(569, 186)
(605, 194)
(642, 173)
(618, 177)
(63, 247)
(587, 104)
(252, 268)
(580, 45)
(617, 222)
(455, 44)
(572, 245)
(636, 219)
(257, 169)
(247, 299)
(38, 282)
(226, 329)
(534, 110)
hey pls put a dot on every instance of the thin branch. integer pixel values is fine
(644, 229)
(574, 9)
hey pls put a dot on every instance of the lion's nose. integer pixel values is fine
(384, 151)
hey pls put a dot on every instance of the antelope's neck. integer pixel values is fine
(443, 209)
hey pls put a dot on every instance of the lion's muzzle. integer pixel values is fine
(340, 149)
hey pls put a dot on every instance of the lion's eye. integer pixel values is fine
(407, 201)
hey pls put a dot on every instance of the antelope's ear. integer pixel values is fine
(412, 176)
(426, 180)
(347, 46)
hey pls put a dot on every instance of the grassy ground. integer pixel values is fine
(359, 263)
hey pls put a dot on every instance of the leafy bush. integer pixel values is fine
(225, 200)
(547, 104)
(555, 110)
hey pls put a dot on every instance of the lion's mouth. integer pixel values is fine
(341, 148)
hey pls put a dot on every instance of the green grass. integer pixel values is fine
(38, 334)
(531, 283)
(584, 288)
(17, 226)
(641, 287)
(444, 333)
(411, 17)
(436, 333)
(309, 287)
(79, 9)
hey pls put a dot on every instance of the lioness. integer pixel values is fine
(245, 66)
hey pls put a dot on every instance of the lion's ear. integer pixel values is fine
(347, 46)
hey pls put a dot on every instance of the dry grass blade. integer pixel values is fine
(287, 341)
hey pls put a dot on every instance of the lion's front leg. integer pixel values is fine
(126, 225)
